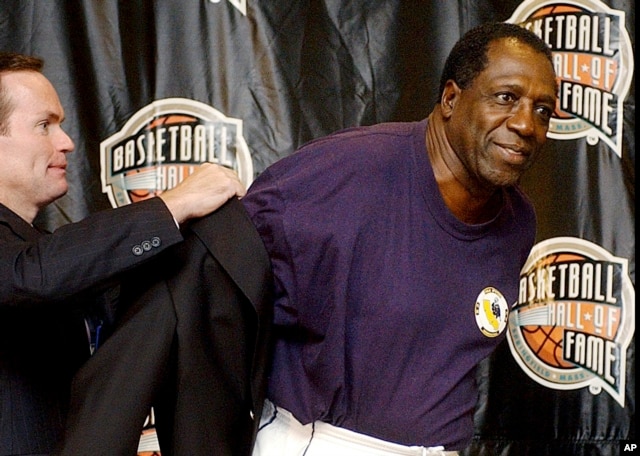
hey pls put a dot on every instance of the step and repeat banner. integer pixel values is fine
(151, 89)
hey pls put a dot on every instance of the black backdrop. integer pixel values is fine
(293, 70)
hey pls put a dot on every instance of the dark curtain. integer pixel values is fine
(294, 70)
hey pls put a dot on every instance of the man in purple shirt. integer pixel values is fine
(396, 250)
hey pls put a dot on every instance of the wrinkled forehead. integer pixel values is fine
(510, 57)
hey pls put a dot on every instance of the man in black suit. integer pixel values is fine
(193, 343)
(49, 281)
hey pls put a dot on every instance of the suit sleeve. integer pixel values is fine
(80, 255)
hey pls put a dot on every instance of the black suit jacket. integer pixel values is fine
(194, 345)
(47, 282)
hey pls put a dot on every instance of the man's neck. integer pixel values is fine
(21, 210)
(469, 203)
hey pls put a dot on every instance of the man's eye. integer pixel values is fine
(506, 97)
(545, 112)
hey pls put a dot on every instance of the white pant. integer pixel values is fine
(281, 434)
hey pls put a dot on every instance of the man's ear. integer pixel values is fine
(449, 97)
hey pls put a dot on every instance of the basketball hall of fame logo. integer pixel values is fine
(574, 318)
(593, 59)
(163, 143)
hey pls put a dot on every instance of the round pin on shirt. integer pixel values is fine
(492, 312)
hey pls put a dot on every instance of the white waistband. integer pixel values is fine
(332, 435)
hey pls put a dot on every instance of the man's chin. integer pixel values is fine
(58, 193)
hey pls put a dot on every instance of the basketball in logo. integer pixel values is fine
(546, 343)
(546, 340)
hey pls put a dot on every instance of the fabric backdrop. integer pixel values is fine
(151, 88)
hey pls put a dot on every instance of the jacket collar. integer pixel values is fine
(18, 225)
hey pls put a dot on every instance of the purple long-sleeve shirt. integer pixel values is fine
(379, 305)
